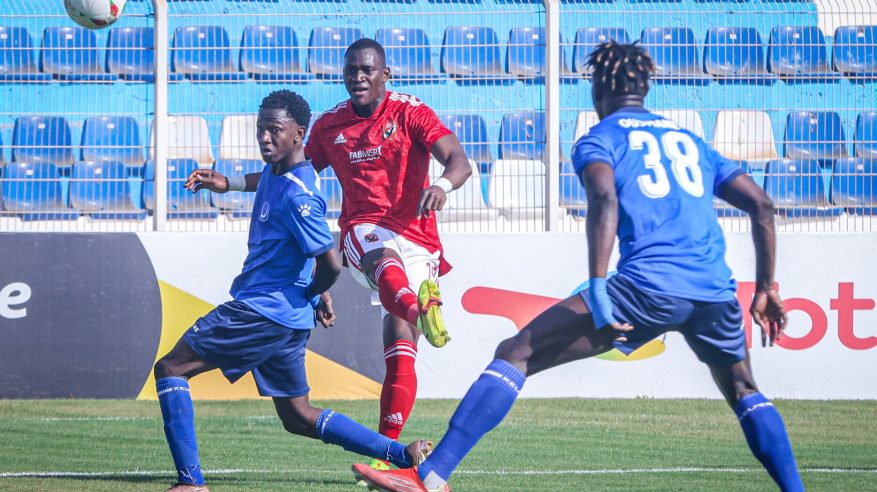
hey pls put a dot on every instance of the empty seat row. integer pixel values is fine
(748, 135)
(739, 135)
(203, 53)
(105, 190)
(738, 52)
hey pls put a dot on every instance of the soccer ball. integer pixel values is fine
(94, 14)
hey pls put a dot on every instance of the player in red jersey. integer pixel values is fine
(379, 142)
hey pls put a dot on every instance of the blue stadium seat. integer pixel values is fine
(588, 38)
(797, 188)
(331, 188)
(16, 57)
(853, 185)
(236, 204)
(798, 52)
(815, 135)
(70, 54)
(725, 209)
(33, 191)
(572, 193)
(734, 53)
(674, 51)
(326, 50)
(203, 54)
(525, 58)
(471, 54)
(181, 203)
(131, 54)
(522, 135)
(42, 139)
(408, 54)
(866, 135)
(112, 139)
(101, 190)
(472, 133)
(271, 53)
(855, 51)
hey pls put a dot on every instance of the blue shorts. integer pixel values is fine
(237, 339)
(713, 330)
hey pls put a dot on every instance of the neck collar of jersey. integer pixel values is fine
(293, 167)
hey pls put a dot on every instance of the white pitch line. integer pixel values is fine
(80, 419)
(606, 471)
(121, 419)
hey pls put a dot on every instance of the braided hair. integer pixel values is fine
(621, 69)
(296, 107)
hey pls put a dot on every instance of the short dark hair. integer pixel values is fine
(296, 106)
(367, 44)
(621, 69)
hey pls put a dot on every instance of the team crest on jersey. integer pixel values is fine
(263, 214)
(371, 237)
(340, 139)
(389, 129)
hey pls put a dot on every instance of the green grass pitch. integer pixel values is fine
(550, 444)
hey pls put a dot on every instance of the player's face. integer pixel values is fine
(278, 135)
(365, 78)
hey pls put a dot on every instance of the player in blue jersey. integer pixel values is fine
(278, 298)
(651, 183)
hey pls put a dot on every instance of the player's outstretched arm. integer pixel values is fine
(448, 151)
(767, 307)
(326, 273)
(213, 181)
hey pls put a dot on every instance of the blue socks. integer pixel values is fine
(336, 428)
(766, 434)
(179, 428)
(486, 403)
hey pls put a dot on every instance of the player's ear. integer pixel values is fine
(386, 74)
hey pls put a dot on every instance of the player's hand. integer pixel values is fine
(768, 312)
(325, 311)
(207, 179)
(618, 331)
(432, 198)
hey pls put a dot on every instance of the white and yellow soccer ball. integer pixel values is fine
(94, 14)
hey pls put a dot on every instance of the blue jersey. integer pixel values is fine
(665, 179)
(287, 230)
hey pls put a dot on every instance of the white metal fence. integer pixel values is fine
(98, 128)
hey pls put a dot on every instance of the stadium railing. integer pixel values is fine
(774, 85)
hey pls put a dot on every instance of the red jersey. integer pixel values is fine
(382, 163)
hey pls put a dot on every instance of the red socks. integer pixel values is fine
(396, 296)
(400, 388)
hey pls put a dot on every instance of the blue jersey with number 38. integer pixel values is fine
(665, 179)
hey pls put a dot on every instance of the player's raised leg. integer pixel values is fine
(172, 373)
(564, 332)
(762, 424)
(385, 269)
